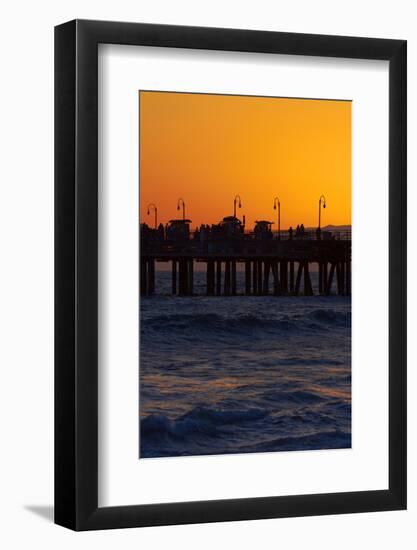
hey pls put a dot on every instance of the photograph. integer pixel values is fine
(194, 356)
(245, 274)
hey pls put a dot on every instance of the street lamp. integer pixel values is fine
(277, 206)
(236, 200)
(152, 206)
(181, 201)
(322, 204)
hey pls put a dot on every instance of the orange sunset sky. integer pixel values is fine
(207, 148)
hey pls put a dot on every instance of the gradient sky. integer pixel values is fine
(207, 148)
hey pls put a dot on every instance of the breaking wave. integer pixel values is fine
(209, 431)
(198, 420)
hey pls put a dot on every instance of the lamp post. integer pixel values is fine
(277, 206)
(181, 202)
(322, 204)
(152, 206)
(237, 200)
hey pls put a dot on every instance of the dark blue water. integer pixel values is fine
(243, 374)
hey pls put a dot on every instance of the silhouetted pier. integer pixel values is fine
(277, 264)
(272, 266)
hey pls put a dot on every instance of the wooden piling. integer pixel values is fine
(339, 278)
(174, 277)
(259, 267)
(210, 278)
(255, 277)
(298, 280)
(143, 277)
(247, 277)
(283, 276)
(348, 278)
(234, 277)
(267, 266)
(183, 277)
(218, 278)
(151, 276)
(291, 276)
(330, 278)
(277, 288)
(308, 288)
(320, 264)
(190, 285)
(227, 278)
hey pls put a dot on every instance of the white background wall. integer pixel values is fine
(26, 271)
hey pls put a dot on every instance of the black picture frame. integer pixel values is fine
(76, 273)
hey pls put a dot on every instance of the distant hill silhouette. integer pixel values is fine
(339, 227)
(327, 228)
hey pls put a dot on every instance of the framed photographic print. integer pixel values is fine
(230, 275)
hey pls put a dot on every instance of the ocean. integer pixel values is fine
(243, 374)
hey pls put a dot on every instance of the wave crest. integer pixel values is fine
(318, 319)
(198, 420)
